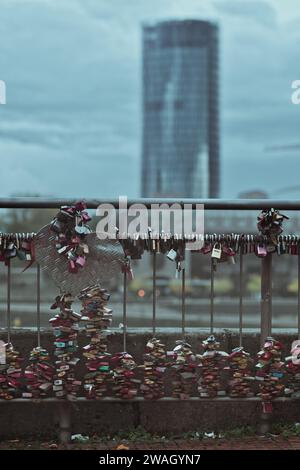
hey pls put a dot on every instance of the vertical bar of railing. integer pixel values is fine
(266, 298)
(154, 292)
(125, 310)
(183, 301)
(212, 295)
(298, 323)
(241, 297)
(8, 317)
(38, 303)
(64, 418)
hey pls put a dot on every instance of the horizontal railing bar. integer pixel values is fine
(211, 204)
(192, 330)
(209, 237)
(141, 399)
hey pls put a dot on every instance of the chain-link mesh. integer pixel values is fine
(102, 263)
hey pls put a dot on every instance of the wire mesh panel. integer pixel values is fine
(104, 261)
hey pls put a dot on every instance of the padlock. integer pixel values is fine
(65, 331)
(10, 374)
(63, 249)
(183, 367)
(294, 249)
(85, 217)
(292, 367)
(80, 261)
(228, 250)
(207, 248)
(70, 226)
(171, 255)
(211, 363)
(261, 250)
(242, 376)
(270, 370)
(270, 224)
(81, 230)
(72, 267)
(99, 379)
(85, 248)
(125, 382)
(154, 364)
(10, 251)
(216, 251)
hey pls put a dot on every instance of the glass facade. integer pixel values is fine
(180, 110)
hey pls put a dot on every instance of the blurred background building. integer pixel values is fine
(100, 131)
(180, 150)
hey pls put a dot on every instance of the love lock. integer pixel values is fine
(261, 250)
(216, 251)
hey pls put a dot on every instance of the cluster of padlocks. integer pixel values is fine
(181, 371)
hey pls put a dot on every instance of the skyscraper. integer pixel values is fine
(180, 154)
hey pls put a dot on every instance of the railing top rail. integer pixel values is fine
(210, 204)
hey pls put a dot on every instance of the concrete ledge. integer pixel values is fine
(23, 418)
(25, 340)
(80, 400)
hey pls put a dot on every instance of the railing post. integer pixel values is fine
(212, 295)
(183, 302)
(154, 293)
(241, 291)
(264, 424)
(125, 310)
(265, 326)
(298, 319)
(64, 418)
(8, 301)
(266, 298)
(38, 303)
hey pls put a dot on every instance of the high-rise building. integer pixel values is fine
(180, 109)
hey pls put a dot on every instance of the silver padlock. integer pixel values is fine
(216, 252)
(172, 254)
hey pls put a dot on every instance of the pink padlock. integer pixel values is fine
(206, 249)
(80, 261)
(85, 217)
(72, 266)
(261, 251)
(76, 240)
(228, 251)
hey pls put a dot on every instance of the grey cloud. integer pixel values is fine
(260, 11)
(73, 73)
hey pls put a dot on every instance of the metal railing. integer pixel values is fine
(266, 273)
(211, 204)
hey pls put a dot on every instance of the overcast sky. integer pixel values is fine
(72, 122)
